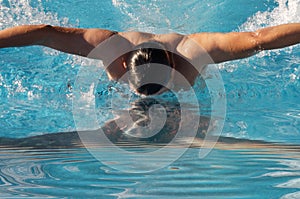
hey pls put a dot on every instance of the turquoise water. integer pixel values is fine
(223, 174)
(36, 90)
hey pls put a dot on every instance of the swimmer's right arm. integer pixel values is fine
(236, 45)
(70, 40)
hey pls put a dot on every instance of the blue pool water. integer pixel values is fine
(36, 90)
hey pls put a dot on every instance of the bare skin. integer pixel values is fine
(194, 48)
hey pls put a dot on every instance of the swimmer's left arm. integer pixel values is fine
(236, 45)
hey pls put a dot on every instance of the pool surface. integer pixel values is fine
(42, 156)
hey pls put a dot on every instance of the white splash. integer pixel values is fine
(288, 11)
(294, 183)
(143, 16)
(295, 195)
(20, 12)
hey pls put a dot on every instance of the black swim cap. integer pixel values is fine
(145, 75)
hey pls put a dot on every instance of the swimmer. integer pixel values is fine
(187, 54)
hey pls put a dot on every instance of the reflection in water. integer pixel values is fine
(122, 130)
(143, 127)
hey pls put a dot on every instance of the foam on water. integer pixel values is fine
(142, 16)
(287, 11)
(284, 12)
(20, 12)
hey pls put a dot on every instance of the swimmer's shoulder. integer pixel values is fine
(170, 39)
(136, 38)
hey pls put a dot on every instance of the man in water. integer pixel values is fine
(187, 54)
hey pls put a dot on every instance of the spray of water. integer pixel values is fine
(19, 12)
(287, 11)
(144, 16)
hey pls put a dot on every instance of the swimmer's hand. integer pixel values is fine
(236, 45)
(70, 40)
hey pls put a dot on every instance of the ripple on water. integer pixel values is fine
(222, 174)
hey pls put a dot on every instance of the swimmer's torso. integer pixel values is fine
(187, 54)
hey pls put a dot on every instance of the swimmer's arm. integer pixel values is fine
(70, 40)
(236, 45)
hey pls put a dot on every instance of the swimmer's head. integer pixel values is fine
(149, 67)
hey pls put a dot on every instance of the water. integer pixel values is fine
(252, 173)
(262, 104)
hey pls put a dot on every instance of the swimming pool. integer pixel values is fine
(36, 89)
